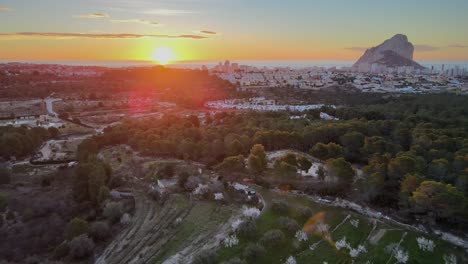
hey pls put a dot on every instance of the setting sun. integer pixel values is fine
(163, 55)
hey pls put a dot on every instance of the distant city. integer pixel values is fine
(436, 78)
(403, 79)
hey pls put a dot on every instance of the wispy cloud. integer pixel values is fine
(207, 32)
(141, 21)
(4, 8)
(93, 15)
(96, 36)
(360, 49)
(168, 12)
(425, 48)
(458, 46)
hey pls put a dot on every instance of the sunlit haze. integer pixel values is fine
(119, 30)
(163, 55)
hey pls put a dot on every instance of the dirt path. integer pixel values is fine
(376, 238)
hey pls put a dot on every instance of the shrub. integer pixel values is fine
(116, 181)
(113, 211)
(53, 132)
(291, 260)
(253, 252)
(247, 229)
(166, 170)
(301, 236)
(64, 115)
(76, 227)
(425, 244)
(272, 238)
(304, 164)
(303, 212)
(125, 219)
(10, 215)
(104, 194)
(251, 212)
(99, 231)
(235, 260)
(216, 187)
(28, 214)
(76, 120)
(231, 241)
(33, 259)
(279, 206)
(46, 181)
(81, 247)
(192, 183)
(288, 224)
(3, 202)
(61, 251)
(5, 176)
(183, 176)
(205, 257)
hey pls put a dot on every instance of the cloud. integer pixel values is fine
(168, 12)
(425, 48)
(458, 46)
(95, 36)
(360, 49)
(93, 15)
(207, 32)
(141, 21)
(4, 8)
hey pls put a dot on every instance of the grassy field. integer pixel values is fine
(376, 237)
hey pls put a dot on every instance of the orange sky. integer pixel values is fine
(115, 30)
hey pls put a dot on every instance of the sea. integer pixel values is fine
(293, 64)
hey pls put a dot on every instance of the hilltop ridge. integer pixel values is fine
(394, 52)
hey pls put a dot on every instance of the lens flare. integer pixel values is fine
(316, 225)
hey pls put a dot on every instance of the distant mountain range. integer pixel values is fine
(394, 52)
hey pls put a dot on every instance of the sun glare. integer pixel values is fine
(163, 55)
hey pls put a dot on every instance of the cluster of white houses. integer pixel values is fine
(400, 80)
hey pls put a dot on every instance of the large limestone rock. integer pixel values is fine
(394, 52)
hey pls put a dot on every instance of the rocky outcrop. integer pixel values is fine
(394, 52)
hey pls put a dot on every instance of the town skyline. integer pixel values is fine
(124, 30)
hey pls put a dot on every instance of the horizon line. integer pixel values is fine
(208, 60)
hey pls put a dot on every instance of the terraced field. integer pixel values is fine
(182, 227)
(344, 237)
(173, 232)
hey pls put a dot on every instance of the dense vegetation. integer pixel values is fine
(19, 142)
(414, 149)
(191, 88)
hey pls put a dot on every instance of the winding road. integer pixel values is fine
(50, 105)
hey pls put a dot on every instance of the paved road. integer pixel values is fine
(50, 105)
